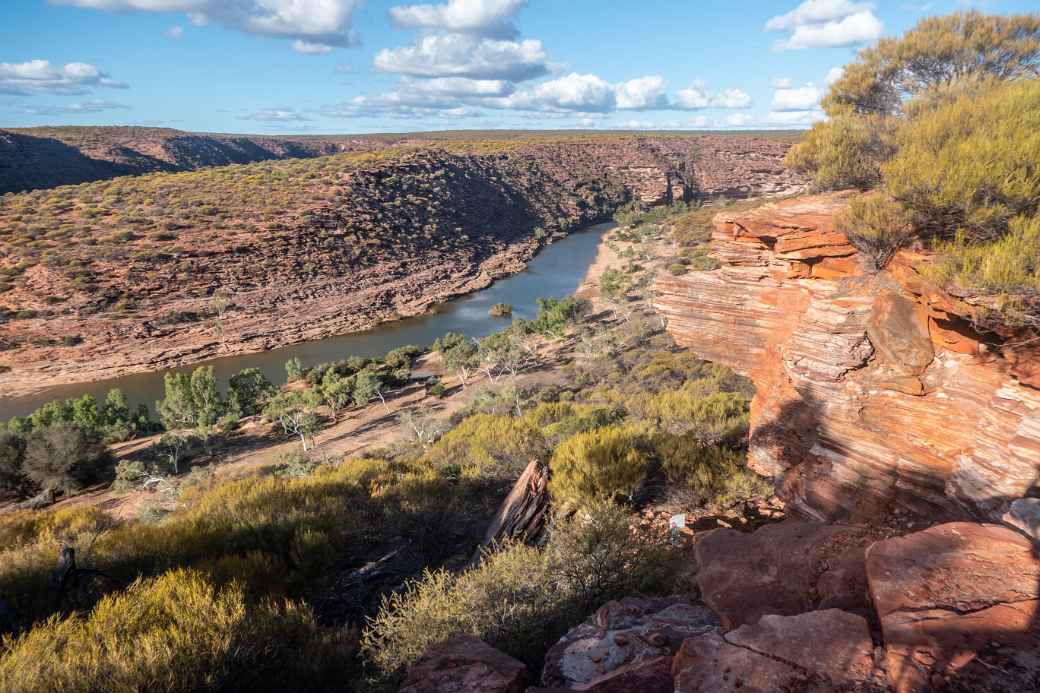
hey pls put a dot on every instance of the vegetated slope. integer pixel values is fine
(32, 158)
(143, 273)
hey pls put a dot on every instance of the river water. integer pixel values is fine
(556, 271)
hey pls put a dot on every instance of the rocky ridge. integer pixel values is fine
(370, 242)
(874, 393)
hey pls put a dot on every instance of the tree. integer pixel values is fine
(293, 369)
(173, 446)
(12, 467)
(115, 416)
(899, 77)
(191, 401)
(368, 386)
(459, 354)
(614, 286)
(295, 411)
(337, 391)
(247, 391)
(63, 457)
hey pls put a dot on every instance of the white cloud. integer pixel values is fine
(460, 86)
(314, 22)
(643, 93)
(816, 12)
(834, 74)
(826, 23)
(483, 17)
(573, 92)
(697, 97)
(738, 120)
(858, 28)
(174, 32)
(782, 82)
(276, 115)
(459, 55)
(308, 48)
(40, 77)
(796, 99)
(90, 106)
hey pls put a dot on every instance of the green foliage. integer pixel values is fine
(248, 390)
(191, 401)
(402, 357)
(699, 408)
(368, 386)
(604, 463)
(521, 599)
(12, 465)
(459, 354)
(64, 457)
(489, 445)
(971, 163)
(555, 315)
(293, 369)
(177, 632)
(845, 151)
(708, 476)
(877, 225)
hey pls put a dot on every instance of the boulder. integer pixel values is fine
(959, 605)
(649, 676)
(819, 651)
(623, 636)
(1024, 515)
(465, 665)
(785, 568)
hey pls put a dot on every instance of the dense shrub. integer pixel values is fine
(698, 408)
(554, 315)
(877, 225)
(845, 151)
(709, 476)
(489, 445)
(603, 463)
(971, 164)
(64, 457)
(12, 465)
(248, 391)
(177, 632)
(521, 599)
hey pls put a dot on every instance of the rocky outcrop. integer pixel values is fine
(786, 568)
(624, 639)
(873, 392)
(818, 652)
(959, 606)
(299, 251)
(465, 665)
(33, 158)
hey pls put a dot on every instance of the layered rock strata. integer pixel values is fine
(364, 242)
(874, 393)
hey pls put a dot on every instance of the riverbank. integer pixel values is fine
(256, 446)
(556, 270)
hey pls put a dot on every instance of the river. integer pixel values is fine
(556, 271)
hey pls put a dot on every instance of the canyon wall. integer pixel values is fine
(106, 279)
(874, 393)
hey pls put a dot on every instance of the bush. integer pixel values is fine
(845, 151)
(12, 465)
(489, 445)
(556, 314)
(65, 458)
(970, 165)
(707, 475)
(248, 390)
(877, 225)
(520, 599)
(698, 408)
(177, 632)
(603, 463)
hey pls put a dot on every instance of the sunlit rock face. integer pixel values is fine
(873, 391)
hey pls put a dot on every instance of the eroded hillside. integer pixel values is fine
(149, 272)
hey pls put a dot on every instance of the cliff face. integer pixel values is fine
(873, 392)
(308, 249)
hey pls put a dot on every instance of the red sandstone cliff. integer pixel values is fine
(872, 390)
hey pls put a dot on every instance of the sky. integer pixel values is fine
(359, 66)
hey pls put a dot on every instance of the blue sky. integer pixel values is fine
(354, 66)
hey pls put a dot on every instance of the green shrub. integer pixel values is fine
(248, 391)
(65, 458)
(603, 463)
(877, 225)
(489, 445)
(698, 408)
(706, 476)
(520, 599)
(177, 632)
(971, 164)
(12, 465)
(845, 151)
